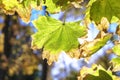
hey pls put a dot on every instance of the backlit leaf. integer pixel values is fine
(104, 8)
(116, 60)
(51, 7)
(116, 49)
(116, 63)
(88, 48)
(56, 37)
(96, 73)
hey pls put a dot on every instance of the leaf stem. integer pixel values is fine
(64, 18)
(44, 1)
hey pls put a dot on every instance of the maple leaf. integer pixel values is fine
(96, 73)
(104, 8)
(56, 37)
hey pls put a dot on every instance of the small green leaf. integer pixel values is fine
(100, 43)
(51, 7)
(55, 36)
(116, 60)
(91, 47)
(114, 19)
(116, 49)
(116, 63)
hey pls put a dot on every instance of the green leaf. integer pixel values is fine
(60, 2)
(103, 75)
(116, 49)
(93, 46)
(51, 7)
(114, 19)
(65, 4)
(116, 63)
(100, 43)
(96, 73)
(55, 36)
(28, 3)
(38, 2)
(116, 60)
(91, 2)
(104, 8)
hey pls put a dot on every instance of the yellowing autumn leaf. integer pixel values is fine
(22, 8)
(89, 48)
(104, 24)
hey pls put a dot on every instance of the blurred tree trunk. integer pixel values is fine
(7, 46)
(45, 70)
(2, 74)
(6, 31)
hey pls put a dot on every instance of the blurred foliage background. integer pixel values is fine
(17, 60)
